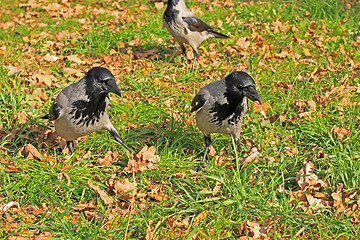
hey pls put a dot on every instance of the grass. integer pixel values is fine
(289, 41)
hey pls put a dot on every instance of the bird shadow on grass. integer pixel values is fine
(153, 51)
(32, 132)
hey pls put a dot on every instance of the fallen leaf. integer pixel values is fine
(144, 160)
(308, 179)
(5, 207)
(201, 216)
(159, 5)
(217, 187)
(253, 155)
(212, 151)
(66, 167)
(109, 158)
(73, 72)
(307, 52)
(103, 195)
(159, 197)
(61, 175)
(340, 132)
(242, 43)
(30, 152)
(75, 59)
(121, 45)
(257, 230)
(11, 226)
(10, 168)
(312, 105)
(125, 188)
(261, 108)
(47, 79)
(83, 206)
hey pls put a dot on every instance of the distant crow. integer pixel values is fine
(185, 27)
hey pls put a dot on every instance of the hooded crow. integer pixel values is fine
(185, 27)
(80, 108)
(221, 105)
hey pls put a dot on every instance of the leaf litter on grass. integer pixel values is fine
(47, 59)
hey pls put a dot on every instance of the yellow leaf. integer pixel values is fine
(307, 52)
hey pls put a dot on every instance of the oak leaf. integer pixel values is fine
(103, 195)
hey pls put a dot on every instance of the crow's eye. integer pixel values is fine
(251, 89)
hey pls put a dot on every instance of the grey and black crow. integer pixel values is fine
(80, 108)
(221, 105)
(185, 27)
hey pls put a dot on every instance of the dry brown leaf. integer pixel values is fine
(308, 179)
(5, 207)
(159, 5)
(201, 216)
(159, 197)
(75, 59)
(350, 196)
(10, 134)
(257, 230)
(103, 195)
(10, 168)
(121, 45)
(62, 175)
(307, 52)
(125, 188)
(315, 203)
(312, 105)
(212, 151)
(30, 152)
(253, 156)
(66, 167)
(39, 94)
(109, 158)
(179, 175)
(135, 41)
(340, 132)
(11, 226)
(217, 187)
(144, 160)
(47, 79)
(72, 72)
(319, 195)
(83, 206)
(242, 43)
(219, 160)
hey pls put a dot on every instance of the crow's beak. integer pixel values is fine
(253, 94)
(114, 88)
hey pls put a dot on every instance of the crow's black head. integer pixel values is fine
(101, 80)
(243, 82)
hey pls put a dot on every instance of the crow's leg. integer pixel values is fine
(238, 145)
(70, 145)
(195, 57)
(183, 52)
(119, 139)
(207, 145)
